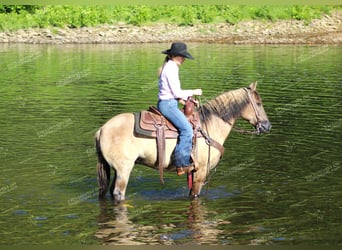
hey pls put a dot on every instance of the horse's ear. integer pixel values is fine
(253, 86)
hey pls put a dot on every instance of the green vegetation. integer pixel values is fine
(13, 17)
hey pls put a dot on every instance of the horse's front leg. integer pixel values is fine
(197, 184)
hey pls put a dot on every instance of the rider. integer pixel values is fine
(170, 93)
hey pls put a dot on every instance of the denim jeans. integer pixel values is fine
(169, 108)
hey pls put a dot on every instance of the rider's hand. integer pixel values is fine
(196, 103)
(181, 101)
(197, 91)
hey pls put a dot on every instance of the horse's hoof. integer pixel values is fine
(194, 196)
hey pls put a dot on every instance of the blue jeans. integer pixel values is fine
(169, 108)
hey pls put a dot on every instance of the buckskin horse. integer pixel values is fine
(118, 147)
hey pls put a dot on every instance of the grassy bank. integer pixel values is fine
(14, 17)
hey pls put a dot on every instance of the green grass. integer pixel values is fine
(14, 17)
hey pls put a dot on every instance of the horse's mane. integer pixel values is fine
(227, 106)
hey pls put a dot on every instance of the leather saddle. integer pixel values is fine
(147, 122)
(152, 124)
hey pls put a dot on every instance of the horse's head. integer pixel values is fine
(254, 112)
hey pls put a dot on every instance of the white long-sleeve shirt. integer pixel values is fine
(169, 83)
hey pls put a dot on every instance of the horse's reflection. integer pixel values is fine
(205, 231)
(116, 227)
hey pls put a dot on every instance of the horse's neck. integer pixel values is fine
(218, 129)
(221, 113)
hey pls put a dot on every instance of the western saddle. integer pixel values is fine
(152, 124)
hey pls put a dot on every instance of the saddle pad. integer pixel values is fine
(144, 125)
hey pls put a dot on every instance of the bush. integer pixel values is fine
(189, 16)
(14, 17)
(18, 8)
(139, 15)
(233, 14)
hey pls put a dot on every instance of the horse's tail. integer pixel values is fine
(103, 168)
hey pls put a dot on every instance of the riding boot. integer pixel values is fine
(186, 169)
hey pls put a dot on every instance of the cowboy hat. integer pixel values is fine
(178, 49)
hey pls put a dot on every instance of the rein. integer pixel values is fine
(239, 130)
(207, 138)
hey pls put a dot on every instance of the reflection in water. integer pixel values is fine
(119, 226)
(205, 230)
(116, 228)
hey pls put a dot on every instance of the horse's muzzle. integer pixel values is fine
(263, 127)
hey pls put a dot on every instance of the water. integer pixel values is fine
(281, 188)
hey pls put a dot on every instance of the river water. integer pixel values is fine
(280, 188)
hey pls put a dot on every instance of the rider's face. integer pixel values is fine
(178, 59)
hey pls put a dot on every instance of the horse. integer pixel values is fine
(118, 148)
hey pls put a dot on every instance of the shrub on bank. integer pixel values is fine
(14, 17)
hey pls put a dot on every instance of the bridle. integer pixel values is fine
(257, 115)
(254, 106)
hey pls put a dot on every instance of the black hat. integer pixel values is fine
(178, 49)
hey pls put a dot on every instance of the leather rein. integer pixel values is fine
(242, 131)
(220, 147)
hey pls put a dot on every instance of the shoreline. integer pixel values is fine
(326, 30)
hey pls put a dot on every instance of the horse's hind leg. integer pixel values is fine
(120, 182)
(112, 186)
